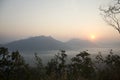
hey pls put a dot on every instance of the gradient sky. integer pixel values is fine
(62, 19)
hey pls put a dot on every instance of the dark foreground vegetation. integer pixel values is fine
(81, 67)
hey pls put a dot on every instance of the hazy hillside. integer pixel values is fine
(37, 43)
(49, 43)
(0, 45)
(78, 43)
(110, 44)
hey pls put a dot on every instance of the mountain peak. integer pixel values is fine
(37, 43)
(41, 37)
(79, 43)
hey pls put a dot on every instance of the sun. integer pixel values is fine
(92, 37)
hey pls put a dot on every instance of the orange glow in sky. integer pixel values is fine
(62, 19)
(93, 37)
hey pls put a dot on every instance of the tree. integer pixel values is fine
(82, 66)
(110, 69)
(38, 72)
(111, 14)
(4, 64)
(56, 67)
(12, 65)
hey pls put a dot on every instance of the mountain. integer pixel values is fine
(116, 44)
(110, 44)
(48, 43)
(37, 43)
(0, 45)
(78, 43)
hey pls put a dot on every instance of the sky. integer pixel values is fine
(61, 19)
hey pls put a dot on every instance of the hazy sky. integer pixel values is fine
(62, 19)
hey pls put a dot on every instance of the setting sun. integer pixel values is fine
(92, 37)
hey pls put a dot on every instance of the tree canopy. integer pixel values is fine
(111, 14)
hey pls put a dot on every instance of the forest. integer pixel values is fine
(80, 67)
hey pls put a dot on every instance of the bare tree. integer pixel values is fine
(111, 14)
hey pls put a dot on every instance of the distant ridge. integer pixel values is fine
(37, 43)
(110, 45)
(0, 45)
(78, 43)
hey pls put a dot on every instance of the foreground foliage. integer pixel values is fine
(81, 67)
